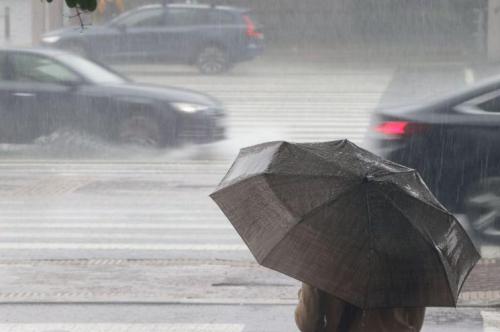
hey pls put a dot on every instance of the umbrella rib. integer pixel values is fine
(370, 239)
(385, 173)
(391, 201)
(402, 168)
(236, 181)
(328, 202)
(305, 175)
(409, 194)
(305, 216)
(326, 161)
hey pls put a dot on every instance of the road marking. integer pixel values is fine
(120, 246)
(479, 295)
(115, 225)
(121, 327)
(137, 218)
(491, 321)
(117, 236)
(123, 213)
(92, 220)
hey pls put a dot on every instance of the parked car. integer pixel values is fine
(213, 38)
(454, 143)
(42, 90)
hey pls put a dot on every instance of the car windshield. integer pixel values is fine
(91, 70)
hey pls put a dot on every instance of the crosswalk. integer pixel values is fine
(112, 209)
(163, 205)
(121, 327)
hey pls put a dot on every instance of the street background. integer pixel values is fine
(99, 237)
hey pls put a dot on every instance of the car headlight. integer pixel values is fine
(51, 39)
(189, 107)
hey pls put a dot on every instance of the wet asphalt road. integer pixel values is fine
(133, 226)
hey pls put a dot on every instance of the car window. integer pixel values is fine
(36, 68)
(492, 105)
(3, 67)
(185, 16)
(220, 17)
(142, 18)
(92, 71)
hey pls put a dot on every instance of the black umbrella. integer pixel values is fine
(348, 222)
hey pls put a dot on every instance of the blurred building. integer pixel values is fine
(22, 22)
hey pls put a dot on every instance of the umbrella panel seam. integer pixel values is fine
(409, 194)
(370, 237)
(300, 219)
(266, 180)
(234, 182)
(323, 159)
(454, 300)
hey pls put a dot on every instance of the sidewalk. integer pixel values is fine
(166, 281)
(482, 288)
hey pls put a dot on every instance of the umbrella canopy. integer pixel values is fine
(348, 222)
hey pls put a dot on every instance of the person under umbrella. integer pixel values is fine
(318, 311)
(364, 232)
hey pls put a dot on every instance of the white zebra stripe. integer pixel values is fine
(491, 321)
(121, 246)
(114, 226)
(111, 327)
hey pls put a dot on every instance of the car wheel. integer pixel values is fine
(140, 130)
(212, 60)
(482, 205)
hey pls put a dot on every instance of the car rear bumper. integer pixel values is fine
(252, 50)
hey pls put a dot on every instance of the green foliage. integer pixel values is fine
(85, 5)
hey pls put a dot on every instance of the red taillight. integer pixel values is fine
(399, 128)
(251, 30)
(392, 128)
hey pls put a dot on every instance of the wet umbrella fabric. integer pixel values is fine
(348, 222)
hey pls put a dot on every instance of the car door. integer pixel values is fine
(40, 95)
(475, 129)
(140, 34)
(5, 113)
(185, 32)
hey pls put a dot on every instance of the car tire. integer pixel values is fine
(141, 130)
(482, 207)
(212, 60)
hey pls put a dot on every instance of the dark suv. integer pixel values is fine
(211, 37)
